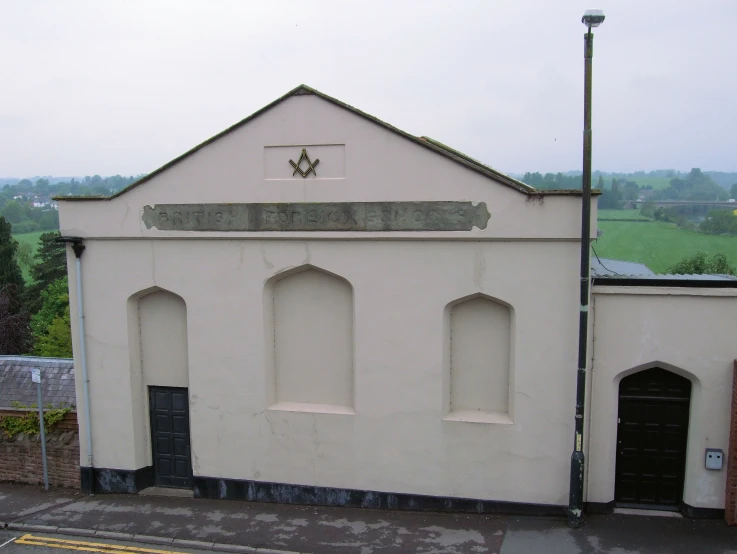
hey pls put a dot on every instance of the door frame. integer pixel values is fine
(152, 438)
(693, 384)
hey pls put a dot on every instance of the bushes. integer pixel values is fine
(56, 342)
(29, 423)
(52, 335)
(719, 222)
(700, 263)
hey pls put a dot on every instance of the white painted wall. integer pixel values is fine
(162, 320)
(398, 435)
(312, 341)
(689, 331)
(479, 357)
(398, 439)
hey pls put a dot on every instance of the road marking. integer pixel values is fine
(8, 542)
(83, 546)
(67, 547)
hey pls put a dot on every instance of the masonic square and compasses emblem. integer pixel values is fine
(310, 165)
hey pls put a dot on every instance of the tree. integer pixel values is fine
(630, 191)
(610, 200)
(51, 266)
(49, 220)
(670, 214)
(733, 191)
(24, 255)
(57, 342)
(15, 331)
(700, 264)
(10, 273)
(696, 185)
(54, 301)
(14, 212)
(719, 222)
(42, 186)
(648, 208)
(51, 326)
(534, 180)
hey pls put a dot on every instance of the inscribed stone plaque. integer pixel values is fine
(328, 216)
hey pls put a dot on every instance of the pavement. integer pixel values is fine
(171, 524)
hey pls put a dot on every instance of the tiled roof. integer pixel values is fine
(57, 381)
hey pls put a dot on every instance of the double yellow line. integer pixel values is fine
(105, 548)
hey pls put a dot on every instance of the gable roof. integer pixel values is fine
(426, 142)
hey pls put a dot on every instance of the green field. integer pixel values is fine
(658, 245)
(32, 239)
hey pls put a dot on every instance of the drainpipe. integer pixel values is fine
(78, 247)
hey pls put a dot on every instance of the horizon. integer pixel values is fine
(34, 178)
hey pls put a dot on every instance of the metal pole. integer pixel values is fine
(43, 436)
(575, 498)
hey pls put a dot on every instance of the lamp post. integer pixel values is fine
(591, 18)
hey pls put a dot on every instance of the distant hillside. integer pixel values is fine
(722, 178)
(53, 180)
(657, 180)
(29, 206)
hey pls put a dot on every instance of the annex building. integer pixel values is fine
(314, 306)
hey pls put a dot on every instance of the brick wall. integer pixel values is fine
(21, 462)
(730, 511)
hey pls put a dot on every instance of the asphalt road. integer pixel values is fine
(18, 542)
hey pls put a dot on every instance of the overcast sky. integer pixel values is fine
(122, 87)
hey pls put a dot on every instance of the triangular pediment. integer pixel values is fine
(309, 148)
(426, 142)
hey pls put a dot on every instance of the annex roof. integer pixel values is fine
(666, 280)
(604, 267)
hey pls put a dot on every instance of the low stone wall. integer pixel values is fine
(21, 461)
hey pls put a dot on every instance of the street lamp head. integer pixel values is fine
(593, 18)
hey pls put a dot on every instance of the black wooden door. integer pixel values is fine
(651, 439)
(170, 436)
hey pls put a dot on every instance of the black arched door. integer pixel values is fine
(651, 439)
